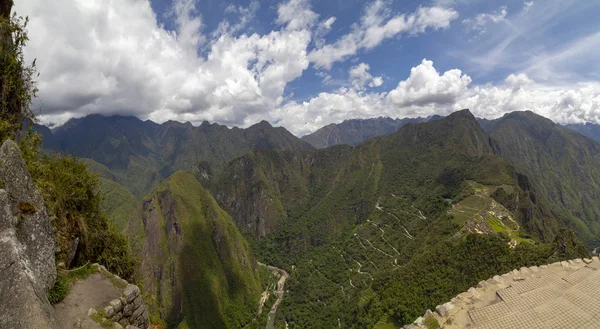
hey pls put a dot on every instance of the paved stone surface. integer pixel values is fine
(563, 295)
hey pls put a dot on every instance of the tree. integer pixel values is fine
(17, 79)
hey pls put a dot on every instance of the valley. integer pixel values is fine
(373, 234)
(186, 164)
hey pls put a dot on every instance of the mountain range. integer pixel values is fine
(141, 154)
(372, 234)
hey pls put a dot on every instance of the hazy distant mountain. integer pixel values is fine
(356, 131)
(591, 130)
(141, 154)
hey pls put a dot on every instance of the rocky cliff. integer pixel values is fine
(26, 247)
(193, 259)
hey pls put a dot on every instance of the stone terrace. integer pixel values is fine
(561, 295)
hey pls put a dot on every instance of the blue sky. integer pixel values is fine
(303, 64)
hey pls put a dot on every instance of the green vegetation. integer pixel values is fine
(70, 191)
(100, 318)
(64, 281)
(17, 79)
(208, 268)
(559, 168)
(431, 323)
(375, 233)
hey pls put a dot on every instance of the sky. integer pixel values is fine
(303, 64)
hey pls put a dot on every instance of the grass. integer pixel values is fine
(431, 323)
(100, 318)
(114, 280)
(63, 282)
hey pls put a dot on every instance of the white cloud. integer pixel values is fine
(426, 86)
(376, 26)
(527, 5)
(480, 21)
(360, 77)
(114, 58)
(426, 92)
(322, 30)
(296, 14)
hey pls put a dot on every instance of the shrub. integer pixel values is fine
(431, 323)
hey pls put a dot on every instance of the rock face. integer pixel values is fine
(26, 247)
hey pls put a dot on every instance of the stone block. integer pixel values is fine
(137, 302)
(137, 313)
(534, 269)
(474, 293)
(482, 285)
(587, 260)
(564, 264)
(419, 321)
(131, 292)
(109, 311)
(116, 304)
(117, 317)
(124, 322)
(92, 312)
(596, 259)
(131, 327)
(444, 310)
(128, 310)
(117, 326)
(497, 279)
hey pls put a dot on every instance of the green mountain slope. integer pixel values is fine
(356, 131)
(141, 154)
(562, 166)
(194, 261)
(351, 218)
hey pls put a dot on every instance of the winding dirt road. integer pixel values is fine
(280, 292)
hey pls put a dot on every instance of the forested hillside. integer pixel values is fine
(562, 168)
(141, 154)
(351, 219)
(193, 259)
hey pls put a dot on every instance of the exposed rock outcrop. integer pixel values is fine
(27, 247)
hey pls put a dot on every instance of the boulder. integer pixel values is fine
(131, 292)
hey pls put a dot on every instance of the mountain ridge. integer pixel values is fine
(140, 154)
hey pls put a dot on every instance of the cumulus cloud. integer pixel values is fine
(360, 77)
(114, 58)
(376, 25)
(296, 14)
(426, 86)
(427, 92)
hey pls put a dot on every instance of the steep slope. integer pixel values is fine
(351, 219)
(193, 259)
(140, 154)
(356, 131)
(561, 165)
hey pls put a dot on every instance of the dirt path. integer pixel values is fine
(280, 291)
(88, 293)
